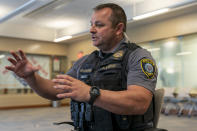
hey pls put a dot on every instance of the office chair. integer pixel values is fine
(158, 101)
(190, 106)
(173, 104)
(193, 99)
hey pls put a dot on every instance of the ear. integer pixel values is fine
(119, 28)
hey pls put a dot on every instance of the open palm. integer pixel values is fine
(20, 65)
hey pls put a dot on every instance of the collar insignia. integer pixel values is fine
(118, 54)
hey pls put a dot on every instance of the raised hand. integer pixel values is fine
(72, 88)
(20, 65)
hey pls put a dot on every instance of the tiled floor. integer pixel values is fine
(174, 123)
(41, 119)
(35, 119)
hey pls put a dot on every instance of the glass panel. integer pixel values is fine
(176, 62)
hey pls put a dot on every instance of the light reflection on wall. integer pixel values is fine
(34, 47)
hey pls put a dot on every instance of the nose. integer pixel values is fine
(92, 29)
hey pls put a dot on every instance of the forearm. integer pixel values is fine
(124, 102)
(42, 86)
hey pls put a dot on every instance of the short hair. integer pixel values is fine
(118, 14)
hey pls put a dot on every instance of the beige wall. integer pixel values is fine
(181, 25)
(24, 100)
(31, 46)
(73, 49)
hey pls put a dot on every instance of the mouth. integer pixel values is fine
(94, 38)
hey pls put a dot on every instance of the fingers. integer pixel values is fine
(62, 81)
(64, 95)
(64, 85)
(67, 77)
(11, 60)
(22, 54)
(65, 88)
(15, 56)
(11, 68)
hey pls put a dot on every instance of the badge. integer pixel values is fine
(148, 67)
(118, 54)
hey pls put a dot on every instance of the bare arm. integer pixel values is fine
(43, 87)
(135, 100)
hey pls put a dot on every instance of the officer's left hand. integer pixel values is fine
(72, 88)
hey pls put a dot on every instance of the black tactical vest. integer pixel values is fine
(108, 73)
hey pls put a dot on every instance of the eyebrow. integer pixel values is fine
(96, 22)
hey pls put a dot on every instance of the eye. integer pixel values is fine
(99, 24)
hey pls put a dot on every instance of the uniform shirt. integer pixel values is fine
(137, 73)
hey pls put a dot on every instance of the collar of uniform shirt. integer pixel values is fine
(118, 46)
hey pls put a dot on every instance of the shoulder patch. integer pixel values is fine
(148, 67)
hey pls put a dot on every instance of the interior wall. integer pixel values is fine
(176, 26)
(73, 49)
(32, 46)
(24, 100)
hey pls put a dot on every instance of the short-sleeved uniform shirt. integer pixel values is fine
(141, 67)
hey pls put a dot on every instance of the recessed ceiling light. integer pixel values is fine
(151, 14)
(63, 38)
(184, 53)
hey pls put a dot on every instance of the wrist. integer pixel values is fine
(94, 93)
(31, 76)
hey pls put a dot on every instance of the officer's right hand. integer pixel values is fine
(20, 65)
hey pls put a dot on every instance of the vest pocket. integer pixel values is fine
(109, 80)
(103, 121)
(123, 121)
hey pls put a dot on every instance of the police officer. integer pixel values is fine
(111, 89)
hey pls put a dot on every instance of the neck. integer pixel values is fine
(112, 46)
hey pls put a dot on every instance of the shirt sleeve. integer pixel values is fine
(73, 71)
(142, 70)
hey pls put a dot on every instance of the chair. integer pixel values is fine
(190, 106)
(173, 104)
(158, 101)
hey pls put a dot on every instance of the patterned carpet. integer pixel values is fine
(41, 119)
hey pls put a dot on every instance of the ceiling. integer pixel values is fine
(47, 20)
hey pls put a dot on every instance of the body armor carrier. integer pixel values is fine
(107, 73)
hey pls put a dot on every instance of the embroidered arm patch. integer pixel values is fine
(148, 67)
